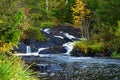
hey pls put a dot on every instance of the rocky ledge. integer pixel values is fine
(58, 39)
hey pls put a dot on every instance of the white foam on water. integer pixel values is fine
(33, 54)
(41, 49)
(29, 53)
(47, 30)
(59, 37)
(61, 32)
(69, 47)
(45, 55)
(28, 50)
(69, 36)
(23, 54)
(77, 58)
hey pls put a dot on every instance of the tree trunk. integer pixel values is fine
(47, 7)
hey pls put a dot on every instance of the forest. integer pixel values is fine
(97, 20)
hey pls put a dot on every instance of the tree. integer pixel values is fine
(11, 18)
(63, 12)
(81, 18)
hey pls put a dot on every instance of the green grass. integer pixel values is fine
(86, 46)
(115, 55)
(12, 68)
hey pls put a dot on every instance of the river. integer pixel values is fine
(65, 67)
(62, 66)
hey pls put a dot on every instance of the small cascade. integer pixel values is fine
(47, 30)
(41, 49)
(59, 37)
(28, 50)
(69, 36)
(69, 47)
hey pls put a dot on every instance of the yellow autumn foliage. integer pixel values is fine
(81, 45)
(5, 47)
(80, 13)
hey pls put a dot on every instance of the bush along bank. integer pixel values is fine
(86, 48)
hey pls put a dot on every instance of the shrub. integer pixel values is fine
(86, 46)
(35, 33)
(115, 55)
(82, 46)
(97, 47)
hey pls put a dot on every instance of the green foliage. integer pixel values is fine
(63, 12)
(11, 18)
(11, 68)
(105, 11)
(118, 29)
(104, 18)
(41, 11)
(97, 47)
(82, 46)
(9, 31)
(35, 33)
(46, 24)
(115, 55)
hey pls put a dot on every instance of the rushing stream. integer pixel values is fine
(62, 66)
(65, 67)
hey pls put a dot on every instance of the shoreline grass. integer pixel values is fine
(13, 68)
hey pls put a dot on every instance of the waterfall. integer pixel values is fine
(69, 36)
(69, 47)
(28, 50)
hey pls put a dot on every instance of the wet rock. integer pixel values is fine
(56, 36)
(78, 53)
(21, 48)
(54, 50)
(67, 29)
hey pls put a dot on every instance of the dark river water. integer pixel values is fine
(65, 67)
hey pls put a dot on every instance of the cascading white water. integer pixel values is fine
(47, 30)
(69, 47)
(58, 37)
(41, 49)
(69, 36)
(29, 53)
(28, 50)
